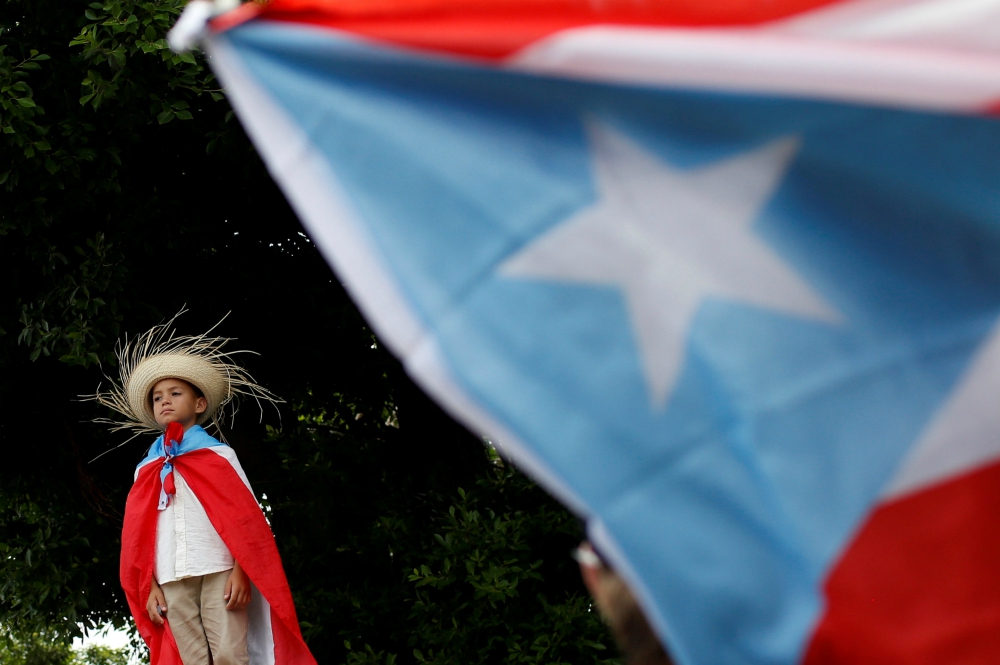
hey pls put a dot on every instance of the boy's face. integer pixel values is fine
(174, 400)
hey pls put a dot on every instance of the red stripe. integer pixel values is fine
(495, 29)
(920, 584)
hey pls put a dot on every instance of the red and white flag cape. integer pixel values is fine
(215, 476)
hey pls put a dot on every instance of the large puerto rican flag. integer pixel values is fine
(724, 276)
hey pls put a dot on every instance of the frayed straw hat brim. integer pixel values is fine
(198, 359)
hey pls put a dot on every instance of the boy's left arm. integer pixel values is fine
(237, 588)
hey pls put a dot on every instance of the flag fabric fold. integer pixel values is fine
(724, 277)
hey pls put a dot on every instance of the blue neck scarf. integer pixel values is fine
(195, 438)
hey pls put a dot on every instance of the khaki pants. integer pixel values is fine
(199, 620)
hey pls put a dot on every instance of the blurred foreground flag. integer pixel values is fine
(724, 276)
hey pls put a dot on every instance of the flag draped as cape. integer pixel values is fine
(215, 476)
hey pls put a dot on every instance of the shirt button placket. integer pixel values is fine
(180, 529)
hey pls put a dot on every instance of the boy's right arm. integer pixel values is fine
(156, 603)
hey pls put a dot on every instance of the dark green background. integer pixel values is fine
(128, 190)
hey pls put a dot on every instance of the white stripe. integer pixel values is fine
(890, 19)
(142, 465)
(761, 62)
(230, 456)
(924, 18)
(260, 637)
(964, 434)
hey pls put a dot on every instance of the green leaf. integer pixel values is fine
(27, 102)
(165, 117)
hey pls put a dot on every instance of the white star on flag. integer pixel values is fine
(669, 238)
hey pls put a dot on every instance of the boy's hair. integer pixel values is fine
(196, 389)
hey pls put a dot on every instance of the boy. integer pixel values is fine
(199, 565)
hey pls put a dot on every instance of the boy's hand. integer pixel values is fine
(156, 605)
(237, 589)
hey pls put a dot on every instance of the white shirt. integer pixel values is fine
(187, 545)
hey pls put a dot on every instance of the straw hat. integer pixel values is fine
(156, 355)
(194, 369)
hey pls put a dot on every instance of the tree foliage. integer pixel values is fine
(34, 649)
(97, 654)
(44, 648)
(129, 190)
